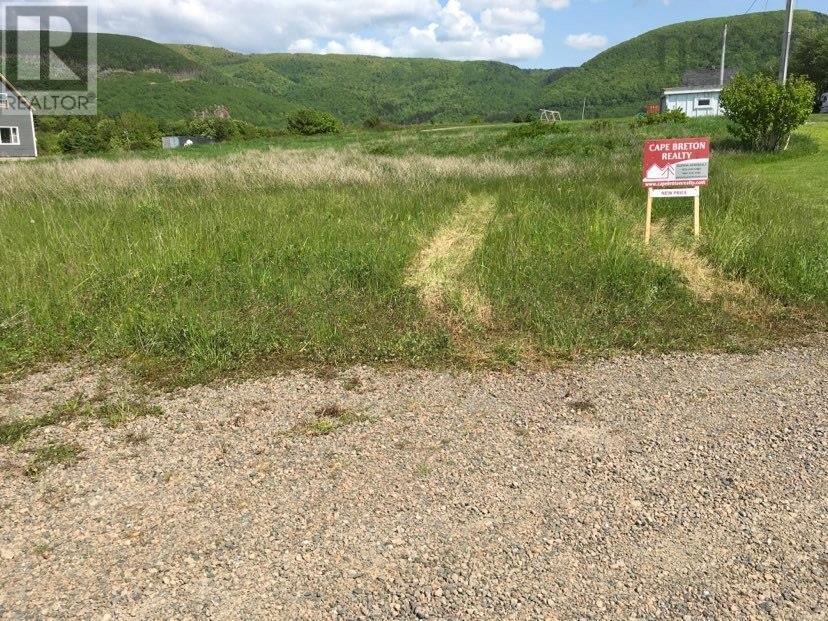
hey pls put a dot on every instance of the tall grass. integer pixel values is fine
(215, 261)
(216, 278)
(565, 266)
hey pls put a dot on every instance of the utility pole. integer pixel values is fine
(583, 111)
(786, 43)
(724, 57)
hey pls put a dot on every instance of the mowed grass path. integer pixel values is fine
(240, 261)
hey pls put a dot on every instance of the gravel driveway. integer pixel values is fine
(683, 486)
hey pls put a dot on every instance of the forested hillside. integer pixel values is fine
(622, 79)
(403, 90)
(171, 81)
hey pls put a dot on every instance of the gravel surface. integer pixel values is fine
(683, 486)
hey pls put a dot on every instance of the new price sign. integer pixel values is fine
(675, 168)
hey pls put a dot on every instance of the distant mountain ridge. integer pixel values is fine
(171, 81)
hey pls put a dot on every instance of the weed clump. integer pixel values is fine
(328, 419)
(52, 455)
(110, 413)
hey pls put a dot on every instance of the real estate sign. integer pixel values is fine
(676, 162)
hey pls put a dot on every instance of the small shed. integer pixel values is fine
(17, 131)
(699, 93)
(177, 142)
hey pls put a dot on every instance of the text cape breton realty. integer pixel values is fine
(676, 162)
(678, 151)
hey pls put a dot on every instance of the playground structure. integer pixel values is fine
(550, 116)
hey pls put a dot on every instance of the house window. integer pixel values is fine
(9, 135)
(703, 103)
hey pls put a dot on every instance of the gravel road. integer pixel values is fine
(683, 486)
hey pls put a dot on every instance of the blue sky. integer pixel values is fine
(529, 33)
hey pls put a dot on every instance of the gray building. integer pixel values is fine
(698, 94)
(17, 131)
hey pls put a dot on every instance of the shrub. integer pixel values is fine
(376, 123)
(534, 130)
(671, 116)
(79, 136)
(219, 129)
(600, 125)
(135, 132)
(309, 122)
(524, 118)
(765, 113)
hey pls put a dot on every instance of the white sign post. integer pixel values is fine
(694, 193)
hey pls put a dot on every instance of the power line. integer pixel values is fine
(752, 4)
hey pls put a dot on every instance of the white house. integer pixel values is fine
(698, 95)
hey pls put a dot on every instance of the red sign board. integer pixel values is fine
(676, 162)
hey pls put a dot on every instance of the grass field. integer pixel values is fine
(487, 245)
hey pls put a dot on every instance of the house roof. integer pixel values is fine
(17, 93)
(705, 77)
(680, 90)
(701, 81)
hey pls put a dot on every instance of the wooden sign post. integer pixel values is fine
(676, 168)
(652, 193)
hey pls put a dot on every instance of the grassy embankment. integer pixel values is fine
(225, 260)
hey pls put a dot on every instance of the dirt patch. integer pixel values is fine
(438, 270)
(659, 487)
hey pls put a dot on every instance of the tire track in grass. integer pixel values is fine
(706, 282)
(437, 272)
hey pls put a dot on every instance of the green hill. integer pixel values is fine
(621, 80)
(403, 90)
(171, 81)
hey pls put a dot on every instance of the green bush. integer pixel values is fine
(672, 116)
(524, 118)
(600, 125)
(534, 130)
(220, 130)
(135, 132)
(376, 123)
(765, 113)
(309, 122)
(79, 136)
(372, 122)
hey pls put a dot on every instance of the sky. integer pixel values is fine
(528, 33)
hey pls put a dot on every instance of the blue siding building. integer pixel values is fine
(17, 130)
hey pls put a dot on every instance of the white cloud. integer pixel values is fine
(456, 34)
(367, 47)
(500, 19)
(586, 41)
(461, 29)
(333, 47)
(302, 46)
